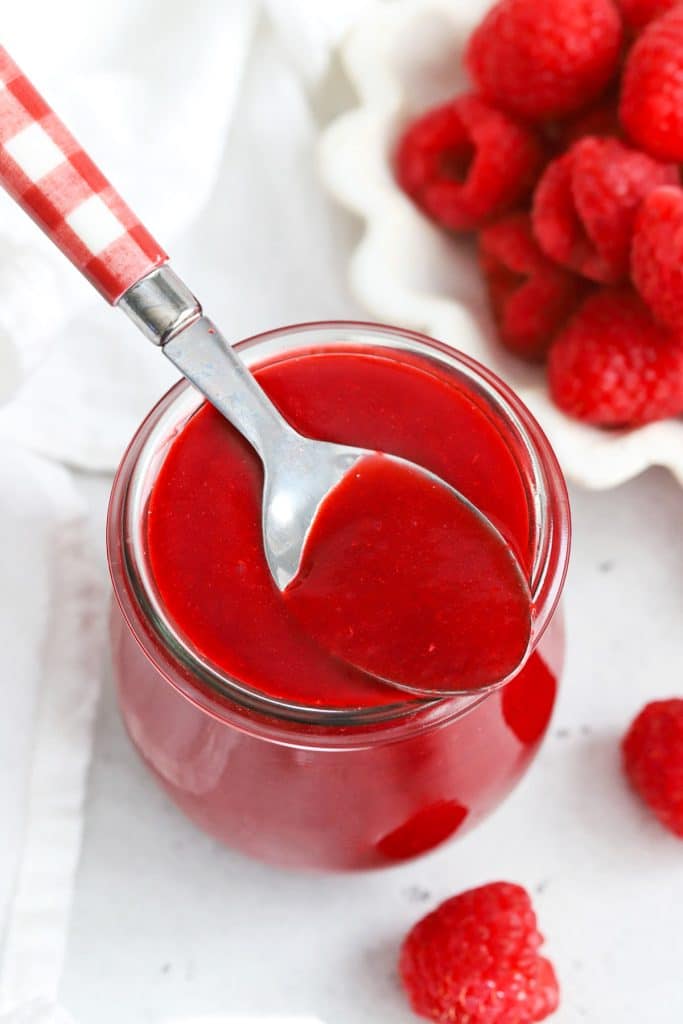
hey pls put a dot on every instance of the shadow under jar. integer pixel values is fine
(264, 740)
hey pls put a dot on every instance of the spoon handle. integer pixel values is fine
(52, 178)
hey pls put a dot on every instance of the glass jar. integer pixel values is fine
(311, 786)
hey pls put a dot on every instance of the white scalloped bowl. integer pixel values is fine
(401, 58)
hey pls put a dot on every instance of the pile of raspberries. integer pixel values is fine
(565, 159)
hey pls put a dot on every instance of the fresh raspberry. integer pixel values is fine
(657, 255)
(541, 60)
(475, 960)
(652, 753)
(638, 13)
(465, 162)
(612, 365)
(531, 296)
(651, 107)
(586, 202)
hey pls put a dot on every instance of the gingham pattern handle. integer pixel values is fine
(45, 170)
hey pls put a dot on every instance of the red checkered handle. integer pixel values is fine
(45, 170)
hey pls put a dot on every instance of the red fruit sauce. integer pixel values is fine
(398, 576)
(404, 579)
(324, 794)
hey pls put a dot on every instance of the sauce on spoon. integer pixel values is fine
(405, 581)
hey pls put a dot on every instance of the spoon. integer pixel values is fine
(51, 177)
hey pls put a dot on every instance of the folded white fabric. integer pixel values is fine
(151, 100)
(51, 636)
(206, 106)
(27, 326)
(308, 30)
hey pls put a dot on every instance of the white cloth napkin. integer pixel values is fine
(201, 115)
(51, 636)
(201, 119)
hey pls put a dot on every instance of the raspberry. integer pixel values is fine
(651, 106)
(657, 255)
(465, 162)
(586, 202)
(531, 296)
(612, 365)
(652, 753)
(474, 960)
(638, 13)
(541, 60)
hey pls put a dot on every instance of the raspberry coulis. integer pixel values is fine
(386, 536)
(405, 580)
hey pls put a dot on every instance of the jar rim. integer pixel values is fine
(144, 613)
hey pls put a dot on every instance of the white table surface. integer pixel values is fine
(166, 923)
